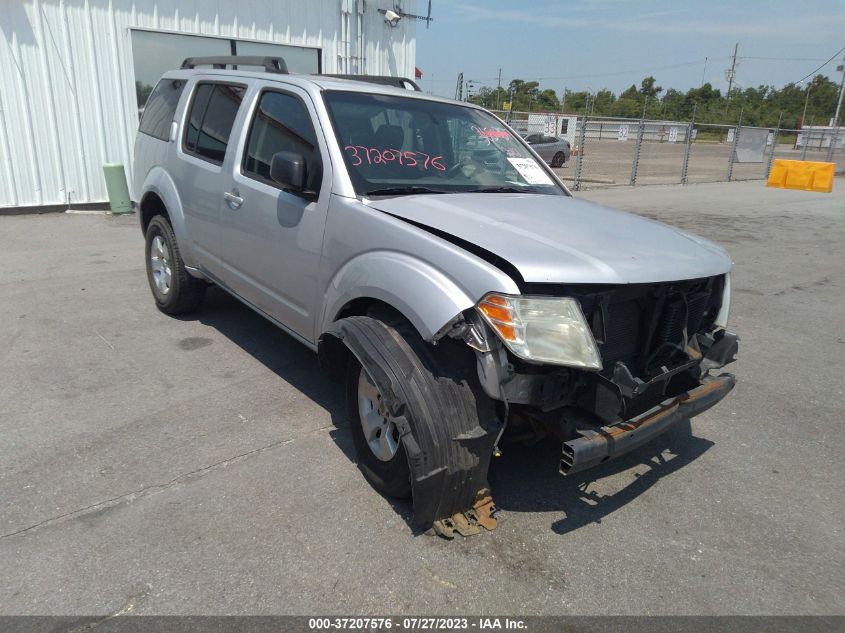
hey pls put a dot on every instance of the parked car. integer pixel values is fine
(555, 151)
(435, 266)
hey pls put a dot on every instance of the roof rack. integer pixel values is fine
(384, 80)
(270, 64)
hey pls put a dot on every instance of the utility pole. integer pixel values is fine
(806, 100)
(731, 74)
(704, 72)
(563, 101)
(732, 71)
(498, 88)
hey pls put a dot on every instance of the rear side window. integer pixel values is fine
(160, 108)
(210, 120)
(281, 124)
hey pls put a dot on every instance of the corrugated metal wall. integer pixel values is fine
(67, 80)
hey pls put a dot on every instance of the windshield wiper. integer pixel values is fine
(402, 191)
(502, 190)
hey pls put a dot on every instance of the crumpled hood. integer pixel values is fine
(559, 239)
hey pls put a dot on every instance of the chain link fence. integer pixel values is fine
(609, 151)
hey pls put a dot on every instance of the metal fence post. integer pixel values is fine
(579, 160)
(638, 148)
(774, 146)
(733, 147)
(806, 141)
(688, 146)
(833, 140)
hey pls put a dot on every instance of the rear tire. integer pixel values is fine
(174, 289)
(558, 159)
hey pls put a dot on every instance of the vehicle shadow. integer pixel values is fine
(524, 479)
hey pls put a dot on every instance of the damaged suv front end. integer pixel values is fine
(557, 317)
(605, 369)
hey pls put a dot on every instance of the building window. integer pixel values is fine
(213, 111)
(154, 53)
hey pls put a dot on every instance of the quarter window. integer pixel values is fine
(210, 121)
(281, 124)
(160, 108)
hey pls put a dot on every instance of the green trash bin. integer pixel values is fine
(117, 188)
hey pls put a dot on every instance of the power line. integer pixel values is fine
(590, 75)
(832, 57)
(783, 59)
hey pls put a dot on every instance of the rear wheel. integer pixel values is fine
(558, 159)
(175, 291)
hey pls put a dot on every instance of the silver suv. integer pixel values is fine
(436, 265)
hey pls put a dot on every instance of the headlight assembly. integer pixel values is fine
(542, 329)
(725, 310)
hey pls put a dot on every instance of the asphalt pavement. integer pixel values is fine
(204, 465)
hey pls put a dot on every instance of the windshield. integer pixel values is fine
(399, 145)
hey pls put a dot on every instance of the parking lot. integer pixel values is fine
(204, 464)
(608, 162)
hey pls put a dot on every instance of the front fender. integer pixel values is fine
(159, 182)
(427, 297)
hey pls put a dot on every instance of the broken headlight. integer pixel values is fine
(542, 329)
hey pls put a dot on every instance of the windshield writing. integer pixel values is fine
(396, 145)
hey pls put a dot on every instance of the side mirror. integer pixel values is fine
(288, 169)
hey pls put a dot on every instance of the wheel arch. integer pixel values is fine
(332, 352)
(424, 295)
(159, 196)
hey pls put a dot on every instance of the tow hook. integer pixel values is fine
(467, 523)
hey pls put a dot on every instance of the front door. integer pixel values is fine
(271, 239)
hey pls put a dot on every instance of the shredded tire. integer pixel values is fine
(446, 423)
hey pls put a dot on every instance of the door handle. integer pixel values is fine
(233, 199)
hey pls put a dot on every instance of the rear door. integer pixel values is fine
(272, 239)
(208, 124)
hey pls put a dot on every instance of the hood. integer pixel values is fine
(559, 239)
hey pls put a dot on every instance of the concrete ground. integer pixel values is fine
(204, 465)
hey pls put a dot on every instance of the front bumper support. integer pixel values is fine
(607, 442)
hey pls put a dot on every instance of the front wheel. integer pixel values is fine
(420, 422)
(175, 291)
(378, 442)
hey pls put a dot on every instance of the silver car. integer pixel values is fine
(555, 151)
(438, 268)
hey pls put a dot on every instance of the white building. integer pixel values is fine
(74, 73)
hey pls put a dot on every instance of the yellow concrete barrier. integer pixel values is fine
(802, 174)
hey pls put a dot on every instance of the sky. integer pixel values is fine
(595, 44)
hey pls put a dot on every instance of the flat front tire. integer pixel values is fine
(419, 422)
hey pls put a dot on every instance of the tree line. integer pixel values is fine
(761, 106)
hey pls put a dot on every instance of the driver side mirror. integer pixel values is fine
(288, 169)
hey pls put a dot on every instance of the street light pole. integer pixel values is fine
(841, 87)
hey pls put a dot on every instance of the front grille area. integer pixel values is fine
(644, 325)
(650, 328)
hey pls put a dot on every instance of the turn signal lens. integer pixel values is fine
(542, 329)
